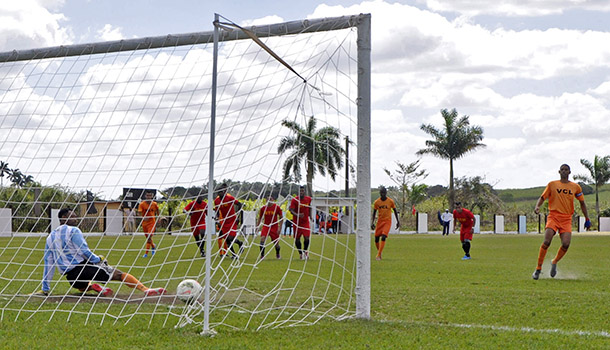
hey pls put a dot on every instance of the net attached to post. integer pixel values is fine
(95, 131)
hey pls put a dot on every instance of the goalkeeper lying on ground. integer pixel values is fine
(67, 250)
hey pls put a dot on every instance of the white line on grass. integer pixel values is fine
(602, 334)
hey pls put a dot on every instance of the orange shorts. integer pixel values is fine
(559, 222)
(148, 227)
(383, 228)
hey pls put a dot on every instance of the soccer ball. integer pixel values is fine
(189, 291)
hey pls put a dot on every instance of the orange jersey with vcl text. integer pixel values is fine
(149, 211)
(384, 208)
(561, 196)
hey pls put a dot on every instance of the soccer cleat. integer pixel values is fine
(262, 257)
(154, 249)
(536, 274)
(145, 256)
(306, 255)
(378, 258)
(202, 254)
(466, 257)
(105, 292)
(277, 256)
(153, 292)
(301, 256)
(553, 270)
(94, 286)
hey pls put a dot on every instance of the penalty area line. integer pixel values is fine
(602, 334)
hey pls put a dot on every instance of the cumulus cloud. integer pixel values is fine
(422, 61)
(110, 33)
(27, 24)
(514, 7)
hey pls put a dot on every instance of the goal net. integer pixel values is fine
(105, 129)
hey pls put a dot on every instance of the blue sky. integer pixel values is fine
(535, 75)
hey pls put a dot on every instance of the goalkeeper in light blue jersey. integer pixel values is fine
(67, 250)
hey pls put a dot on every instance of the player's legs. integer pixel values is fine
(466, 239)
(276, 242)
(149, 230)
(262, 244)
(549, 232)
(565, 234)
(199, 235)
(466, 248)
(80, 277)
(381, 240)
(566, 238)
(297, 242)
(382, 230)
(306, 245)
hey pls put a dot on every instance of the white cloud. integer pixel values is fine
(27, 24)
(262, 21)
(514, 7)
(110, 33)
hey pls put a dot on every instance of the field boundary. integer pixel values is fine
(602, 334)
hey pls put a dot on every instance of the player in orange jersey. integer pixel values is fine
(384, 205)
(197, 210)
(300, 207)
(561, 194)
(149, 210)
(465, 219)
(271, 216)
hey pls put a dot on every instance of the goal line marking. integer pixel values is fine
(603, 334)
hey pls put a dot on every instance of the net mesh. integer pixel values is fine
(90, 132)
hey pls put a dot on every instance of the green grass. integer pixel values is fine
(423, 296)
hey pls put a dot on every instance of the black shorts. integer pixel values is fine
(80, 276)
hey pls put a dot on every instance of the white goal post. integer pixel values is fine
(179, 115)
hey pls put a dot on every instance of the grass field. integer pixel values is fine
(423, 296)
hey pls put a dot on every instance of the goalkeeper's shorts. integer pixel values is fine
(80, 276)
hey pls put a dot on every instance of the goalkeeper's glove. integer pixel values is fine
(587, 223)
(40, 293)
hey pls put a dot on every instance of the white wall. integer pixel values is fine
(422, 223)
(114, 222)
(499, 219)
(6, 222)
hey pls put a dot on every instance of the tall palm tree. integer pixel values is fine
(319, 150)
(453, 141)
(599, 174)
(16, 176)
(4, 171)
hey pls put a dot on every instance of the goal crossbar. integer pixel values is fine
(173, 40)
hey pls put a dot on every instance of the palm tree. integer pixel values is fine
(16, 176)
(452, 142)
(4, 170)
(600, 174)
(318, 150)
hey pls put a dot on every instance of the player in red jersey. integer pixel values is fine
(197, 210)
(300, 207)
(561, 194)
(271, 216)
(227, 207)
(465, 218)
